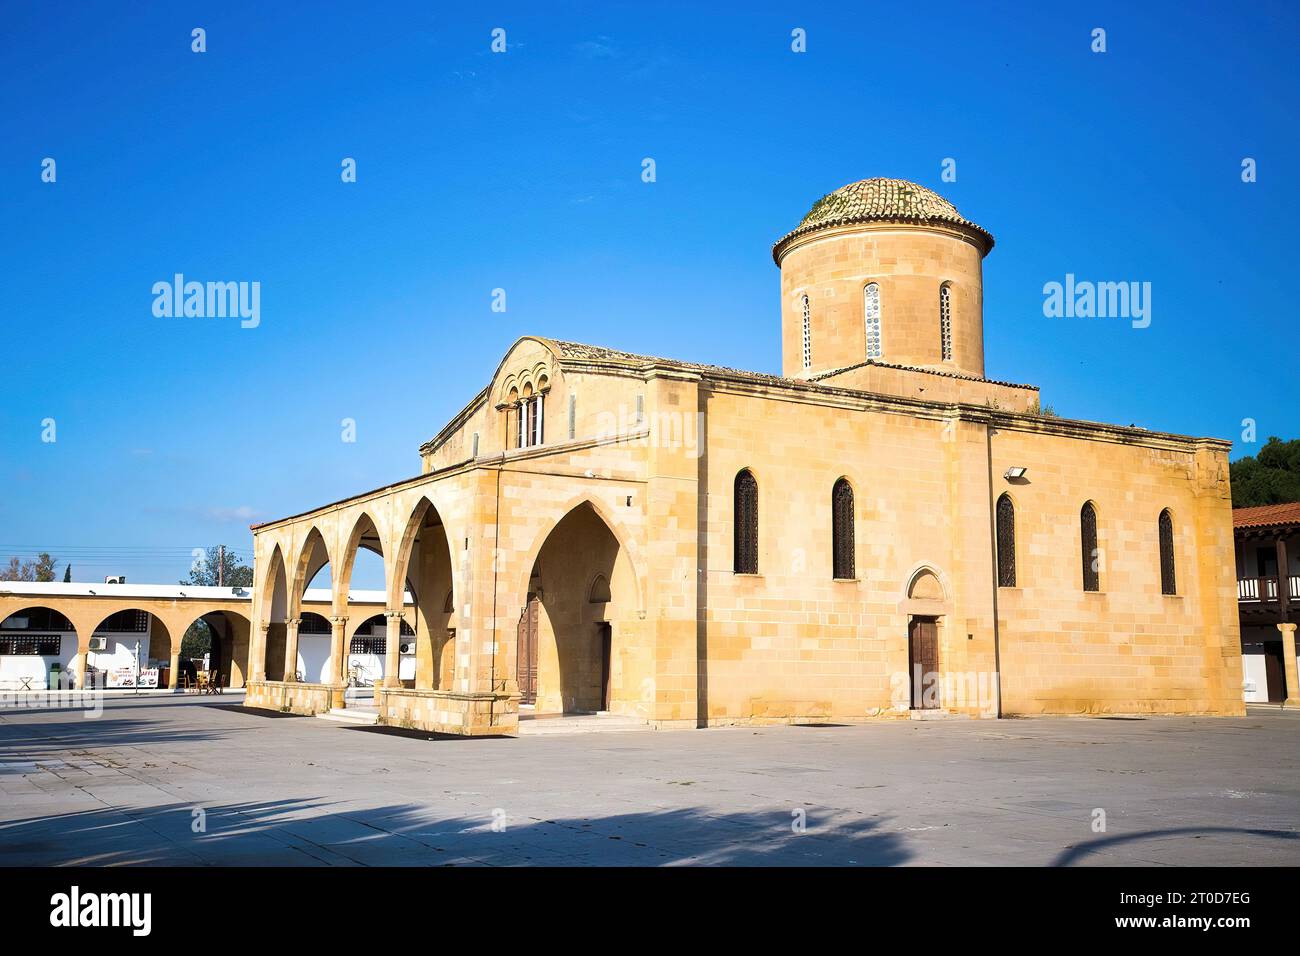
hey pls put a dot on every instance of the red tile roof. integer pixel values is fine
(1265, 516)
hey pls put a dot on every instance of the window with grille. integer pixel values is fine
(807, 334)
(31, 645)
(842, 529)
(1006, 532)
(746, 520)
(368, 645)
(1168, 584)
(125, 622)
(313, 623)
(1088, 534)
(36, 619)
(945, 322)
(871, 309)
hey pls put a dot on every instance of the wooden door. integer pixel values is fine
(1274, 673)
(526, 656)
(923, 654)
(605, 638)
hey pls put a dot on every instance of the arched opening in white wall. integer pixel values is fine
(37, 648)
(131, 648)
(216, 645)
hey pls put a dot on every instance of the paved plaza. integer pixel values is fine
(190, 781)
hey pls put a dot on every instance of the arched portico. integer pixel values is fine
(422, 567)
(578, 606)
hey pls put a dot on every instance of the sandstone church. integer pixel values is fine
(877, 531)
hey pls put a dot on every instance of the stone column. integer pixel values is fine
(291, 648)
(391, 658)
(338, 655)
(257, 652)
(83, 655)
(174, 666)
(1289, 665)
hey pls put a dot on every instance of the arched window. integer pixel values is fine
(945, 322)
(842, 530)
(1168, 585)
(746, 521)
(807, 333)
(1006, 529)
(871, 309)
(1091, 557)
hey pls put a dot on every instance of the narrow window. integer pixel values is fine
(945, 322)
(842, 529)
(521, 415)
(807, 334)
(539, 409)
(474, 446)
(746, 523)
(573, 415)
(1168, 585)
(1006, 532)
(871, 309)
(1091, 558)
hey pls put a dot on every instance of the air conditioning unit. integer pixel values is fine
(115, 579)
(406, 647)
(99, 644)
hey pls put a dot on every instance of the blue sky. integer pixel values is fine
(522, 170)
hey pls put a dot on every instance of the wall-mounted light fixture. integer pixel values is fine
(1015, 473)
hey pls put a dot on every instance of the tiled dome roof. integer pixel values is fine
(881, 200)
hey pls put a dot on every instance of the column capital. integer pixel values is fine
(337, 619)
(394, 614)
(292, 621)
(1284, 628)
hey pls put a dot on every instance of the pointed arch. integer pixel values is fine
(843, 558)
(1168, 577)
(621, 534)
(365, 533)
(1005, 524)
(306, 566)
(745, 523)
(1090, 553)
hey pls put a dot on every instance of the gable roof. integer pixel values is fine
(1266, 516)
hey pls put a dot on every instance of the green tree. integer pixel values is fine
(67, 574)
(42, 569)
(1269, 478)
(234, 572)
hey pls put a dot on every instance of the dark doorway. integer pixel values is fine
(1274, 671)
(526, 657)
(605, 638)
(923, 655)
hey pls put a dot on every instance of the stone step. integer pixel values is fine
(580, 724)
(928, 714)
(352, 715)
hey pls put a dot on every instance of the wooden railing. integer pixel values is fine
(1251, 589)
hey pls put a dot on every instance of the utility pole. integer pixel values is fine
(221, 565)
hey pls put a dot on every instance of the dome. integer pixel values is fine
(882, 200)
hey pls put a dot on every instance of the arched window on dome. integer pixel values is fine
(945, 322)
(871, 310)
(807, 332)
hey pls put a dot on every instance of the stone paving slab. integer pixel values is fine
(124, 789)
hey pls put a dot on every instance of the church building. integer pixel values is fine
(878, 531)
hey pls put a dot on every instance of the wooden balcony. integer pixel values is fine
(1265, 590)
